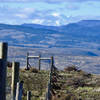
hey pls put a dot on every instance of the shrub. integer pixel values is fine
(68, 97)
(71, 68)
(34, 70)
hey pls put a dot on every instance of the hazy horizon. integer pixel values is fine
(51, 25)
(48, 12)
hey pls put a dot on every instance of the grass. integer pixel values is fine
(74, 84)
(34, 82)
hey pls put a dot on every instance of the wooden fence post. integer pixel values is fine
(52, 63)
(19, 90)
(28, 95)
(3, 67)
(3, 51)
(27, 62)
(49, 92)
(15, 79)
(39, 62)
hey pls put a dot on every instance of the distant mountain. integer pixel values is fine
(40, 26)
(84, 35)
(89, 23)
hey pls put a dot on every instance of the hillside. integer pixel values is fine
(75, 43)
(84, 34)
(72, 84)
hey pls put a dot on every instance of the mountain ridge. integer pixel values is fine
(74, 35)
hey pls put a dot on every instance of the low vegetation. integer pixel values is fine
(34, 81)
(72, 84)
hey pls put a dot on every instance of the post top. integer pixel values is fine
(3, 50)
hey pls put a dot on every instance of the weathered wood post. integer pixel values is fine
(39, 62)
(28, 95)
(51, 70)
(3, 67)
(48, 95)
(27, 61)
(15, 79)
(52, 62)
(19, 90)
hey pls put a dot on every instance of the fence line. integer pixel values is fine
(50, 82)
(28, 57)
(17, 87)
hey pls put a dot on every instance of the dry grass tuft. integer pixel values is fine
(34, 70)
(71, 68)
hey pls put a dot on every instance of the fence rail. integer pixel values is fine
(28, 57)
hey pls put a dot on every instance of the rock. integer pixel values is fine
(71, 68)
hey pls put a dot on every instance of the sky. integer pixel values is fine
(48, 12)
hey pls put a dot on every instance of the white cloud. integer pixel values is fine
(38, 21)
(28, 10)
(48, 1)
(55, 14)
(21, 15)
(30, 14)
(57, 22)
(68, 16)
(24, 13)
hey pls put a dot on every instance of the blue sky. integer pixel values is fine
(48, 12)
